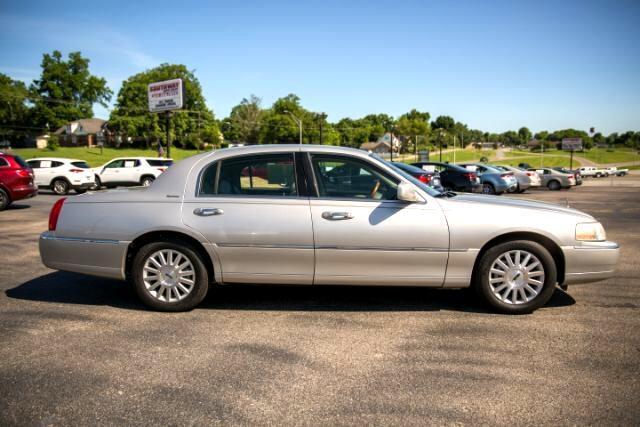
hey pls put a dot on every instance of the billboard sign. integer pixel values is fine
(166, 96)
(572, 144)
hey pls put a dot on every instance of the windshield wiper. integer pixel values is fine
(447, 194)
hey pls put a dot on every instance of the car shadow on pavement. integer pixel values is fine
(71, 288)
(15, 207)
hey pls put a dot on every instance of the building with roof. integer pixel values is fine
(81, 133)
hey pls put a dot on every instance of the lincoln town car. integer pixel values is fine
(318, 215)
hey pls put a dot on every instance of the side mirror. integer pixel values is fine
(407, 193)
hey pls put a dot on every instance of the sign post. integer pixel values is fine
(166, 96)
(571, 144)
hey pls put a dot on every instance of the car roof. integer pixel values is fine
(59, 159)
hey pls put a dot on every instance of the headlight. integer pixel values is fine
(590, 232)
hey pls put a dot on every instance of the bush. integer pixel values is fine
(53, 144)
(484, 159)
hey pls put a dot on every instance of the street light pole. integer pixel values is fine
(298, 121)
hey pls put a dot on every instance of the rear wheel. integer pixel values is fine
(553, 185)
(516, 277)
(169, 276)
(60, 187)
(488, 188)
(147, 181)
(97, 184)
(4, 200)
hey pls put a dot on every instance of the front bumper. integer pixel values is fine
(105, 258)
(590, 262)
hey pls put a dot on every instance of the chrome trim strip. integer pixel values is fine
(597, 245)
(338, 247)
(78, 239)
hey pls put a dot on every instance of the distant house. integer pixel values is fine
(533, 143)
(383, 144)
(378, 147)
(486, 145)
(81, 133)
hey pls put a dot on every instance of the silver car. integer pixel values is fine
(319, 215)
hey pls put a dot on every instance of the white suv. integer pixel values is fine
(61, 175)
(130, 171)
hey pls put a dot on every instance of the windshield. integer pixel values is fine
(424, 187)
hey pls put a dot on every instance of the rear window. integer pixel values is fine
(165, 163)
(81, 165)
(3, 162)
(21, 162)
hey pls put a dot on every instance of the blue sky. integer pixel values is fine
(495, 65)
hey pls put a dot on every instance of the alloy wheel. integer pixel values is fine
(516, 277)
(60, 187)
(168, 275)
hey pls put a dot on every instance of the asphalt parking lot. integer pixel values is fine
(81, 350)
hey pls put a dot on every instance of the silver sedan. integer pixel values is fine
(318, 215)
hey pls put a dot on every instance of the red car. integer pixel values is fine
(16, 180)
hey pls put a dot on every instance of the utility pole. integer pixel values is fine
(454, 149)
(298, 121)
(168, 123)
(440, 140)
(391, 143)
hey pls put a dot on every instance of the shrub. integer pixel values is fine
(53, 144)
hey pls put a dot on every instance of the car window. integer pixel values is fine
(344, 177)
(81, 165)
(159, 162)
(262, 175)
(3, 162)
(131, 163)
(33, 164)
(21, 161)
(55, 164)
(115, 164)
(45, 163)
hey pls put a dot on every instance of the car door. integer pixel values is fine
(255, 213)
(112, 171)
(130, 172)
(364, 235)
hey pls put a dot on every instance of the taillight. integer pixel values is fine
(162, 169)
(23, 172)
(425, 178)
(55, 214)
(471, 176)
(76, 170)
(507, 175)
(530, 173)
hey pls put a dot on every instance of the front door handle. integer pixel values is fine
(337, 216)
(208, 211)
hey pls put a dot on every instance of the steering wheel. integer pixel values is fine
(375, 190)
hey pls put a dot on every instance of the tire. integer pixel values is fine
(5, 201)
(60, 187)
(528, 294)
(97, 185)
(598, 175)
(172, 297)
(488, 188)
(554, 185)
(147, 181)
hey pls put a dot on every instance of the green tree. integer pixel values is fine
(13, 109)
(243, 124)
(414, 126)
(525, 134)
(443, 122)
(66, 90)
(132, 118)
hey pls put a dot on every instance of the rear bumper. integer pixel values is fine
(590, 262)
(23, 192)
(105, 258)
(83, 186)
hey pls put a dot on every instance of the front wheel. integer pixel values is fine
(97, 184)
(516, 277)
(169, 276)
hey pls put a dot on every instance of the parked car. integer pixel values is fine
(130, 171)
(431, 178)
(16, 180)
(591, 171)
(494, 181)
(576, 173)
(555, 180)
(617, 172)
(62, 175)
(453, 177)
(523, 178)
(204, 224)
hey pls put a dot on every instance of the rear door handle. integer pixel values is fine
(337, 216)
(208, 211)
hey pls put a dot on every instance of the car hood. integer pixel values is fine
(507, 202)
